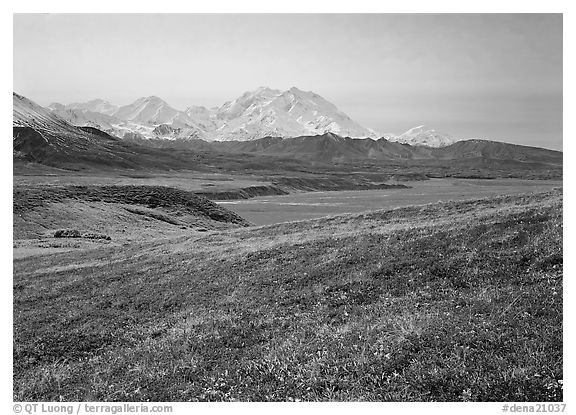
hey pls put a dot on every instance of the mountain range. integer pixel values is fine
(43, 136)
(255, 114)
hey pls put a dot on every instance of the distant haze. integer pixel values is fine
(483, 76)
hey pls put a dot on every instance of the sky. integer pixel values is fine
(492, 76)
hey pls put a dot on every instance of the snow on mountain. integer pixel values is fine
(138, 119)
(423, 136)
(26, 113)
(203, 117)
(39, 133)
(96, 105)
(389, 136)
(79, 116)
(292, 113)
(83, 117)
(153, 110)
(247, 103)
(255, 114)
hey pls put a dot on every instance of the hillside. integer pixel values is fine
(334, 148)
(458, 301)
(116, 211)
(494, 150)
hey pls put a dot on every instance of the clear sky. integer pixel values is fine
(488, 76)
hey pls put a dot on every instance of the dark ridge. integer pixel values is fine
(99, 133)
(30, 197)
(244, 193)
(29, 144)
(333, 183)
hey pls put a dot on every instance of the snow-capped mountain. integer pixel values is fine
(292, 113)
(147, 110)
(153, 110)
(84, 117)
(255, 114)
(95, 105)
(423, 136)
(247, 103)
(40, 135)
(138, 119)
(203, 117)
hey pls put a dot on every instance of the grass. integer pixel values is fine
(457, 301)
(30, 197)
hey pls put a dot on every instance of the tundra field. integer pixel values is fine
(155, 293)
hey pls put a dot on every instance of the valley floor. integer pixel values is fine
(266, 210)
(451, 301)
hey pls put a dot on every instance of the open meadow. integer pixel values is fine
(449, 301)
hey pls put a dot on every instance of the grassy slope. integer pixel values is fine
(30, 197)
(452, 301)
(38, 209)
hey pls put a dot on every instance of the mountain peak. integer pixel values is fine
(263, 91)
(151, 99)
(152, 110)
(292, 113)
(419, 129)
(27, 113)
(97, 101)
(95, 105)
(295, 90)
(423, 135)
(56, 106)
